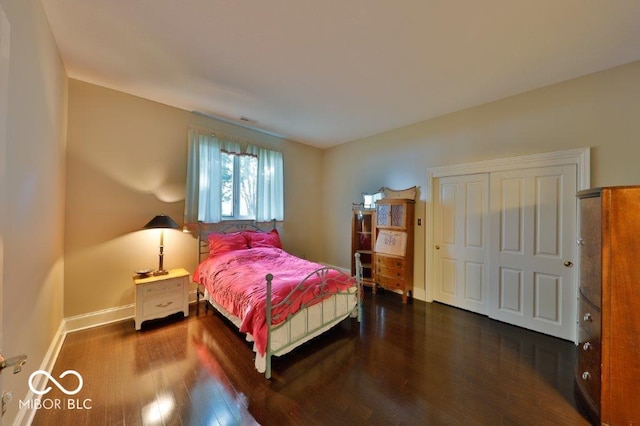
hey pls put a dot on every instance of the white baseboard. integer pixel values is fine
(419, 294)
(97, 318)
(106, 316)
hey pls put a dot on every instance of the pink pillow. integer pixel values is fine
(263, 239)
(221, 243)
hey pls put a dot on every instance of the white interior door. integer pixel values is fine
(461, 207)
(533, 229)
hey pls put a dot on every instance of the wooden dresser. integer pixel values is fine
(393, 250)
(608, 370)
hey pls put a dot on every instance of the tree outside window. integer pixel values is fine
(238, 186)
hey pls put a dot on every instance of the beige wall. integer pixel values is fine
(598, 111)
(126, 162)
(32, 308)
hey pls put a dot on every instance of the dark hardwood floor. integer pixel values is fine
(408, 364)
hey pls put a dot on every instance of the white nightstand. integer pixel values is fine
(162, 295)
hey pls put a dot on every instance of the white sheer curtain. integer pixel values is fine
(203, 195)
(270, 184)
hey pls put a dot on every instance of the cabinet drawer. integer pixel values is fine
(390, 271)
(394, 262)
(589, 355)
(159, 307)
(391, 283)
(591, 289)
(589, 318)
(590, 248)
(161, 289)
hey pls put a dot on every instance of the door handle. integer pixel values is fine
(437, 247)
(568, 264)
(16, 362)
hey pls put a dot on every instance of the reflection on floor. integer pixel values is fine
(417, 363)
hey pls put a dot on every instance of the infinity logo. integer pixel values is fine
(50, 377)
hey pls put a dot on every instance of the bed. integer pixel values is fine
(278, 300)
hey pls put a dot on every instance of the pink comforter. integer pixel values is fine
(236, 281)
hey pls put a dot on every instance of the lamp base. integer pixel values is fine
(160, 272)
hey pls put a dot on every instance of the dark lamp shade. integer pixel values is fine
(161, 221)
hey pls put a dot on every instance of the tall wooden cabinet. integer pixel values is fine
(393, 249)
(608, 371)
(362, 238)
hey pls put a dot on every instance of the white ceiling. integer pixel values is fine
(324, 72)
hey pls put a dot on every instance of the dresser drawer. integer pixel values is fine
(390, 283)
(390, 271)
(591, 289)
(392, 262)
(589, 318)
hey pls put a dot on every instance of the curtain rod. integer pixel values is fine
(243, 142)
(239, 123)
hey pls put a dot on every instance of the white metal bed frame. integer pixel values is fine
(325, 309)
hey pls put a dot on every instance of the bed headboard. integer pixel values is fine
(227, 227)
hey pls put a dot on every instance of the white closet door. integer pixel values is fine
(461, 206)
(533, 228)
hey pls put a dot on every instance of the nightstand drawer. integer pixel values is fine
(159, 307)
(161, 289)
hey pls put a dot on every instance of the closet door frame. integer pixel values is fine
(581, 157)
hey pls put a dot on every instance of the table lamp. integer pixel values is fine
(161, 221)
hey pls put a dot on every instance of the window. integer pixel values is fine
(225, 183)
(238, 186)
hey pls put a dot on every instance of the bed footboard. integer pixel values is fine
(332, 305)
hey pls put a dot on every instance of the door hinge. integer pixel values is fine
(7, 397)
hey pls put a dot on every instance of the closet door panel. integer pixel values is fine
(533, 226)
(461, 217)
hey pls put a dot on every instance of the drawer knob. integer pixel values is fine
(586, 375)
(588, 317)
(587, 346)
